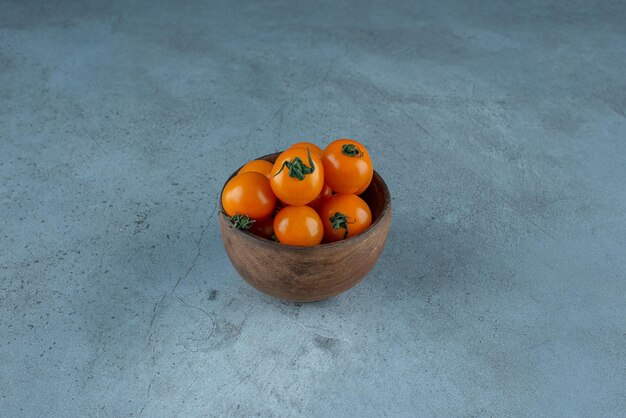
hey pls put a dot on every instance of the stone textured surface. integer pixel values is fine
(500, 128)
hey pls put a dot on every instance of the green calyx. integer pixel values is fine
(242, 222)
(351, 150)
(339, 220)
(297, 168)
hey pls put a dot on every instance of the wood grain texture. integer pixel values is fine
(307, 274)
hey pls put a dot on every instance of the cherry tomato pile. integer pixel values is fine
(308, 196)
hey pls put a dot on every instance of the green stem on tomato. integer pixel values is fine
(339, 220)
(351, 150)
(241, 222)
(297, 168)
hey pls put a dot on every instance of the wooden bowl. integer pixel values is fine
(307, 274)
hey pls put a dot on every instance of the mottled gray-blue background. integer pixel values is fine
(499, 126)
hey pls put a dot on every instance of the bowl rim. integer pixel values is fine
(263, 241)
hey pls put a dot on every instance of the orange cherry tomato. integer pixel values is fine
(263, 228)
(249, 194)
(365, 186)
(347, 166)
(297, 176)
(324, 194)
(344, 216)
(298, 225)
(257, 166)
(314, 148)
